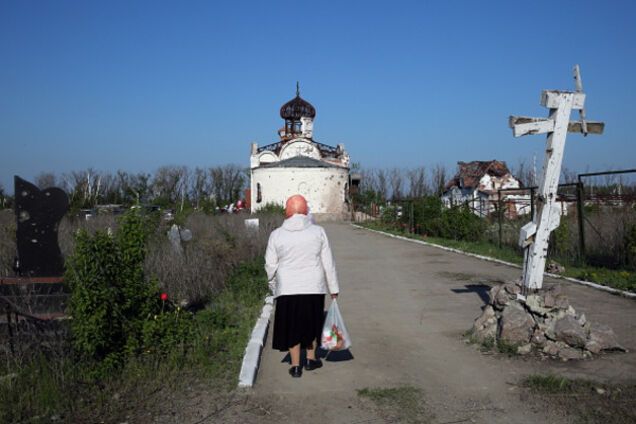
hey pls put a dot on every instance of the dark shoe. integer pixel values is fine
(313, 364)
(296, 372)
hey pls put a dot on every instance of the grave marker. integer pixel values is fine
(535, 235)
(38, 214)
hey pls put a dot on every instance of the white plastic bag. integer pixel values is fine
(334, 333)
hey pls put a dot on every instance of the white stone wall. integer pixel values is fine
(324, 188)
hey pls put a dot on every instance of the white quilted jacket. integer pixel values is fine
(298, 259)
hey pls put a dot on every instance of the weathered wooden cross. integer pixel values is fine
(534, 236)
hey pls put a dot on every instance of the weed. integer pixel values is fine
(548, 383)
(507, 348)
(398, 404)
(486, 344)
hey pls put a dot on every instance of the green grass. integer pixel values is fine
(616, 278)
(489, 344)
(550, 383)
(62, 386)
(402, 404)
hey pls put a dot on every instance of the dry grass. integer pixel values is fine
(218, 244)
(7, 242)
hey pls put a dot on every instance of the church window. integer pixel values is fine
(259, 194)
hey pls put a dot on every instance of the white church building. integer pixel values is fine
(297, 164)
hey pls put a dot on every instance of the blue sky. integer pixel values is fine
(135, 85)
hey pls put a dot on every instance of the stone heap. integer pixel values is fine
(545, 323)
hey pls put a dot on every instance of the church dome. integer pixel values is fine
(297, 108)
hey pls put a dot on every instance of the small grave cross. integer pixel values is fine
(534, 236)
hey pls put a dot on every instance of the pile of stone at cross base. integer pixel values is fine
(545, 323)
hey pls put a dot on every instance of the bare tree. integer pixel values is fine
(368, 181)
(383, 189)
(45, 180)
(439, 177)
(82, 187)
(227, 183)
(199, 183)
(169, 183)
(396, 180)
(525, 173)
(568, 175)
(418, 186)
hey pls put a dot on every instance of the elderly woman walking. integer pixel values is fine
(300, 268)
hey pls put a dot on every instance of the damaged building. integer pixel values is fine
(298, 164)
(477, 184)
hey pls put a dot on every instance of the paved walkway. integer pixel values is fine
(406, 307)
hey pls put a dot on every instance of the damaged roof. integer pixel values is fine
(470, 173)
(300, 162)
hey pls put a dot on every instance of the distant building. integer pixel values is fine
(298, 164)
(477, 184)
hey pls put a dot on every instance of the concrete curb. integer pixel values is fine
(252, 356)
(499, 261)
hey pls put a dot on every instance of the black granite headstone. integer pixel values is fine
(38, 214)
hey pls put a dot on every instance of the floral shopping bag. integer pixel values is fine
(334, 333)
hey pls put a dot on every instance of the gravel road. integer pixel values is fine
(406, 307)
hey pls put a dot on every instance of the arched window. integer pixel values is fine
(259, 194)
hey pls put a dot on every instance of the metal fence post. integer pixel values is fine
(500, 217)
(10, 333)
(580, 196)
(531, 203)
(411, 218)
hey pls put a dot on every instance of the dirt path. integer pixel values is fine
(406, 307)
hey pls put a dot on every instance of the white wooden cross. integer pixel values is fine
(535, 235)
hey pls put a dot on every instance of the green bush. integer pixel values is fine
(168, 330)
(273, 208)
(459, 223)
(389, 214)
(427, 215)
(110, 295)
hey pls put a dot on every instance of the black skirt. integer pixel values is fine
(298, 319)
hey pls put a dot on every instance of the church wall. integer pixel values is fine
(324, 188)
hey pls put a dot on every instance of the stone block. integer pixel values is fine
(604, 337)
(485, 326)
(567, 353)
(524, 349)
(551, 348)
(569, 331)
(517, 325)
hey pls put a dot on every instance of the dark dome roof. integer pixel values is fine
(297, 108)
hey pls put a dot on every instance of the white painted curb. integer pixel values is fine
(252, 356)
(499, 261)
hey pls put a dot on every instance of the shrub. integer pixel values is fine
(630, 246)
(167, 330)
(272, 208)
(110, 296)
(459, 223)
(390, 214)
(427, 215)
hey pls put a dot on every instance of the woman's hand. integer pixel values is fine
(334, 296)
